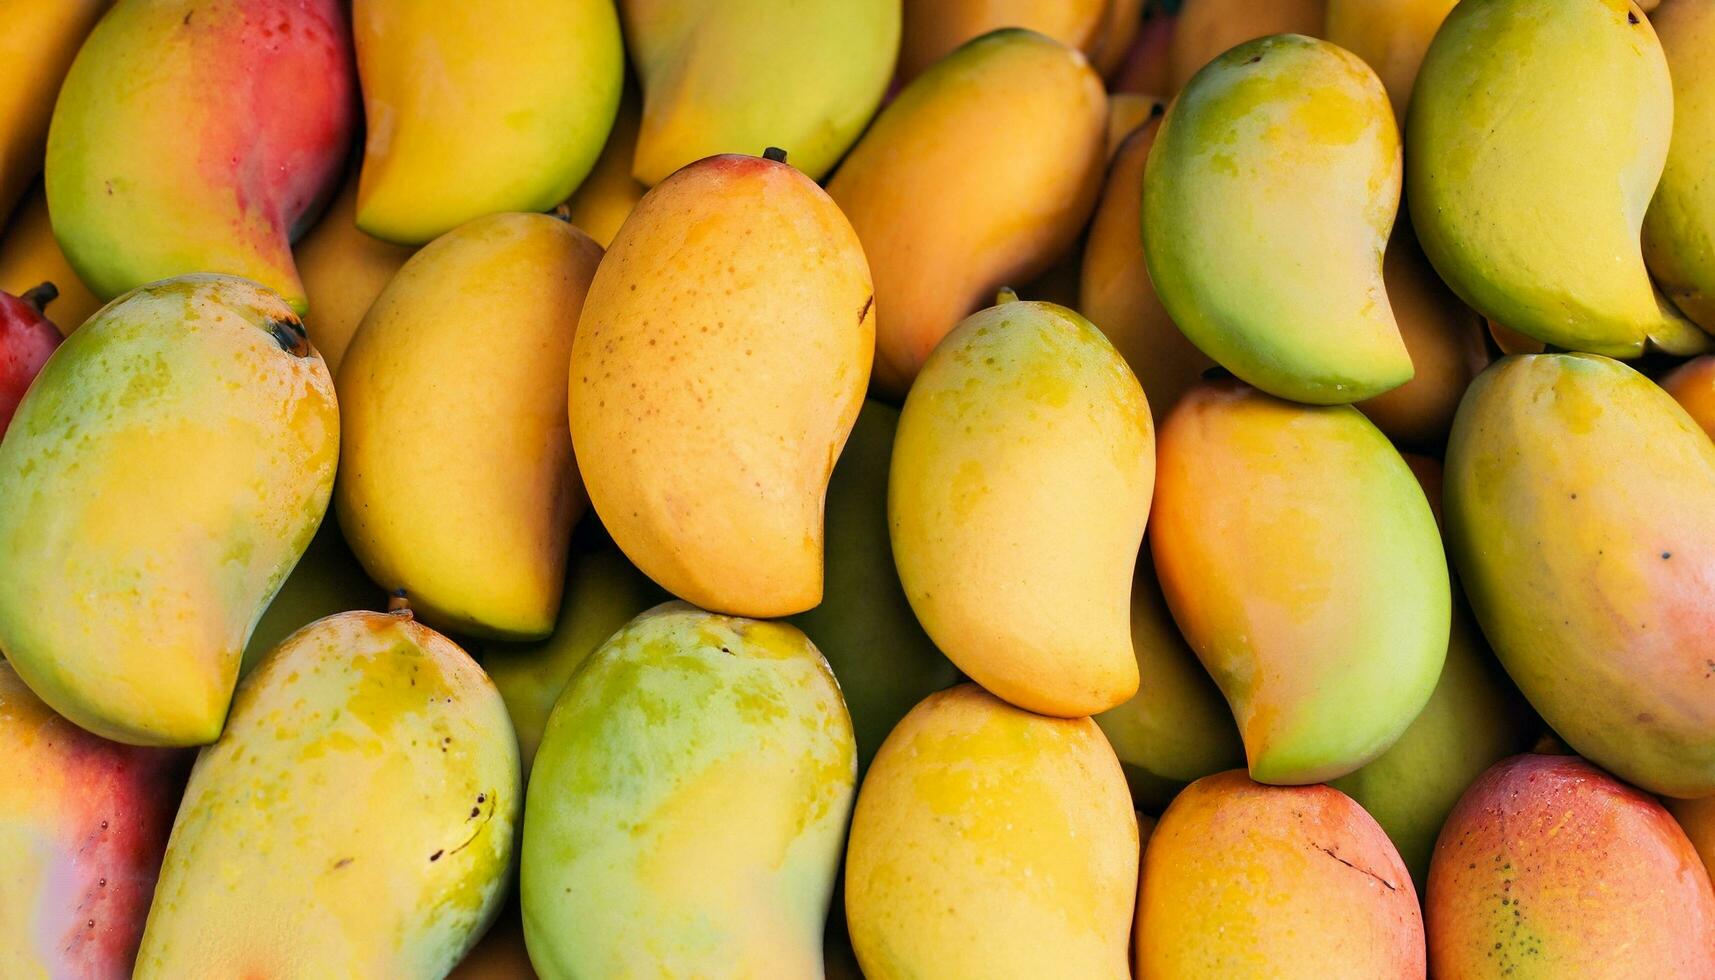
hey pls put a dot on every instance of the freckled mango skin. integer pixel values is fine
(200, 136)
(162, 476)
(1538, 133)
(720, 363)
(1267, 203)
(1017, 499)
(991, 842)
(688, 804)
(1246, 880)
(1581, 517)
(1679, 229)
(1692, 385)
(356, 818)
(1550, 868)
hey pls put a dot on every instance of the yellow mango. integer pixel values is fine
(1118, 32)
(1206, 29)
(37, 47)
(935, 28)
(605, 199)
(343, 271)
(1127, 111)
(1679, 228)
(29, 255)
(1692, 384)
(1392, 35)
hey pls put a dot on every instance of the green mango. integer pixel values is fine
(326, 580)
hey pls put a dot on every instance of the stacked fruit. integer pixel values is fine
(506, 522)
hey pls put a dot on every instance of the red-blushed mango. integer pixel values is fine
(933, 29)
(720, 362)
(1697, 819)
(1581, 517)
(1205, 29)
(1551, 868)
(991, 842)
(1245, 880)
(1692, 384)
(83, 823)
(1302, 562)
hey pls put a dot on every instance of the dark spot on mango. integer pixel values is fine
(436, 856)
(1666, 555)
(1253, 59)
(866, 305)
(290, 335)
(1631, 18)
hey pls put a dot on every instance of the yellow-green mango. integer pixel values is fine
(1019, 490)
(605, 199)
(1267, 203)
(1205, 29)
(935, 28)
(720, 362)
(456, 479)
(688, 804)
(343, 271)
(1392, 35)
(1537, 134)
(1679, 228)
(475, 109)
(991, 842)
(355, 819)
(29, 255)
(1581, 517)
(1302, 561)
(162, 476)
(738, 76)
(326, 580)
(951, 204)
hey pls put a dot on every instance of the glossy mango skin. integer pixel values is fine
(83, 824)
(475, 109)
(1549, 867)
(29, 255)
(991, 842)
(1538, 133)
(725, 346)
(688, 804)
(951, 206)
(230, 127)
(356, 818)
(343, 271)
(128, 617)
(1692, 385)
(1302, 562)
(1206, 29)
(1242, 879)
(1267, 202)
(934, 30)
(1392, 35)
(1679, 228)
(457, 482)
(738, 76)
(37, 47)
(1019, 491)
(1595, 582)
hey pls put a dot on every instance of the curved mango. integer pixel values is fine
(1679, 229)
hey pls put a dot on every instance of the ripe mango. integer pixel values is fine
(37, 48)
(1549, 867)
(991, 842)
(1692, 384)
(688, 804)
(720, 362)
(1679, 228)
(29, 255)
(1303, 564)
(343, 271)
(457, 482)
(1581, 517)
(1017, 500)
(951, 205)
(1206, 29)
(933, 30)
(605, 199)
(326, 580)
(356, 818)
(200, 136)
(1391, 35)
(1697, 819)
(162, 476)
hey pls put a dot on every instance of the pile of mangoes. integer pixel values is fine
(634, 488)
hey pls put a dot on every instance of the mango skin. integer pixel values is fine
(1697, 819)
(229, 128)
(1594, 582)
(1302, 562)
(1267, 203)
(84, 825)
(1538, 133)
(951, 206)
(38, 46)
(1692, 385)
(326, 580)
(605, 199)
(356, 818)
(741, 380)
(457, 481)
(1017, 499)
(479, 109)
(991, 842)
(131, 620)
(1206, 29)
(934, 30)
(1391, 35)
(29, 255)
(1549, 867)
(343, 271)
(1241, 879)
(1679, 228)
(739, 730)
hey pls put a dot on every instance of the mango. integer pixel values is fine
(1267, 202)
(1679, 227)
(1697, 819)
(356, 818)
(326, 580)
(1148, 66)
(1126, 113)
(343, 271)
(162, 476)
(37, 48)
(933, 30)
(688, 804)
(1302, 562)
(737, 76)
(605, 199)
(1538, 133)
(1016, 503)
(1244, 880)
(456, 475)
(1391, 35)
(84, 825)
(720, 362)
(991, 842)
(475, 109)
(200, 136)
(1581, 518)
(1549, 867)
(951, 206)
(30, 255)
(1119, 30)
(1206, 29)
(1692, 384)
